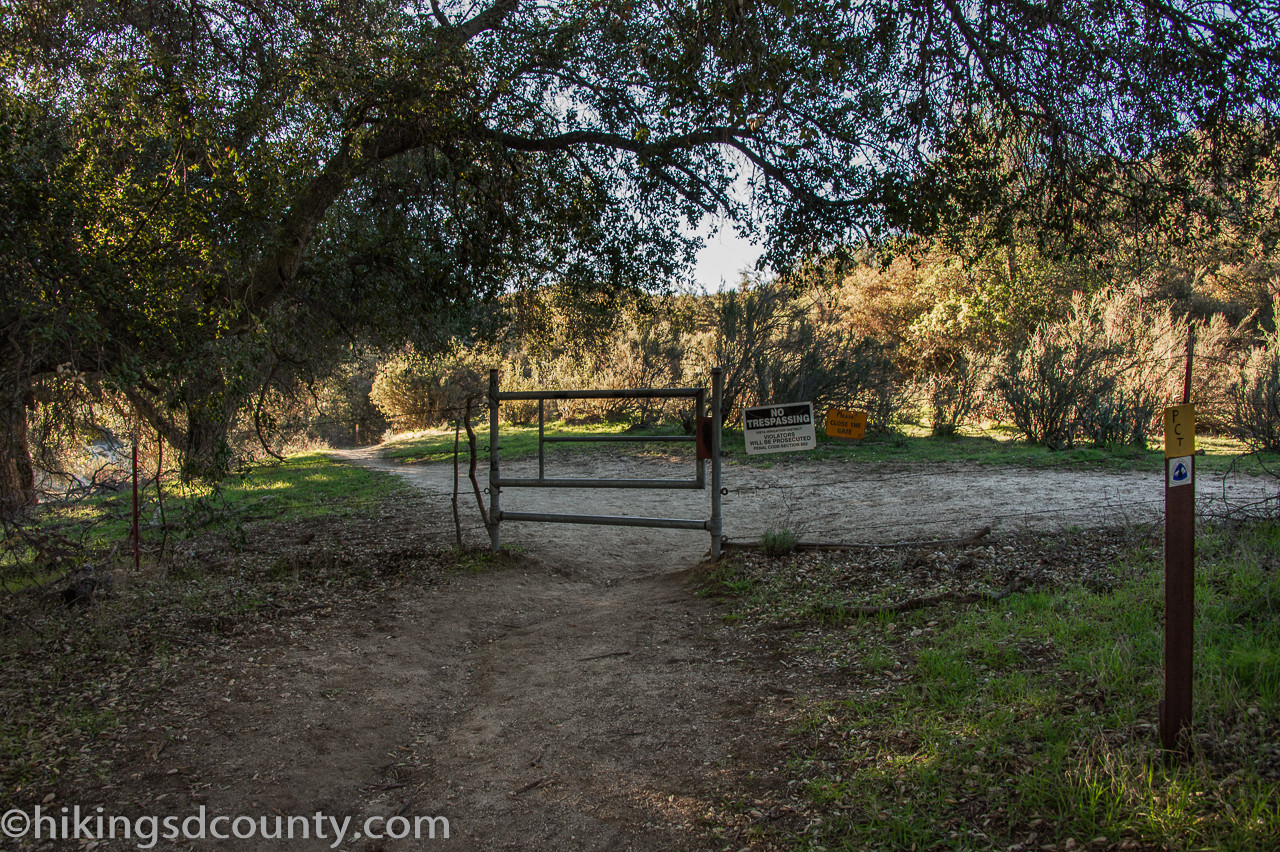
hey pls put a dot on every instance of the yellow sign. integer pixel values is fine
(1179, 431)
(846, 424)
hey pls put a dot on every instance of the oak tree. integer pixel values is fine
(199, 188)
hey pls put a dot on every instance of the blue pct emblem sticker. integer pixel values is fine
(1179, 471)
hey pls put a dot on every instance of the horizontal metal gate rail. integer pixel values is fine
(713, 525)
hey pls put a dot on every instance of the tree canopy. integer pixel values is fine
(199, 191)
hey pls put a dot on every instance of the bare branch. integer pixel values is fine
(439, 15)
(486, 20)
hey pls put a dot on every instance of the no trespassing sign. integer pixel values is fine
(779, 428)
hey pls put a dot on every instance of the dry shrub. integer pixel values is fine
(779, 346)
(643, 353)
(955, 390)
(1153, 344)
(416, 391)
(1255, 394)
(1105, 371)
(1064, 364)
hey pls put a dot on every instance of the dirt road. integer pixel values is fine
(531, 709)
(827, 501)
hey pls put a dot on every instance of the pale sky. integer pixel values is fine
(722, 260)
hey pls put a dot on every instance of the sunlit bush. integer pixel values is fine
(1063, 364)
(416, 391)
(1151, 369)
(1256, 394)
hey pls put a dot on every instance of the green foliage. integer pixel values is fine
(772, 344)
(1037, 712)
(777, 542)
(991, 301)
(520, 442)
(561, 340)
(415, 391)
(305, 485)
(727, 579)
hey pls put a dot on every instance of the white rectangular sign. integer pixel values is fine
(783, 428)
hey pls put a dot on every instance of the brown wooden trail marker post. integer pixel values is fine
(1179, 563)
(137, 542)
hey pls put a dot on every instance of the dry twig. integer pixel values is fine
(922, 602)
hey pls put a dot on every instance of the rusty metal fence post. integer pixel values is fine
(495, 509)
(717, 515)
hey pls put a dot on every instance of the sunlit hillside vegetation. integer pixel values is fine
(1064, 354)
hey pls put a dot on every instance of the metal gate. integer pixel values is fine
(706, 436)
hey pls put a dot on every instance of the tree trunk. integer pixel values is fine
(207, 454)
(17, 476)
(202, 442)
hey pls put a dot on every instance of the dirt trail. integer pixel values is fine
(533, 710)
(582, 698)
(585, 702)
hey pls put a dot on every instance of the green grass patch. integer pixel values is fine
(521, 442)
(1000, 446)
(778, 542)
(1033, 721)
(308, 485)
(62, 537)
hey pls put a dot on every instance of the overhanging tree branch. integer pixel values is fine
(486, 20)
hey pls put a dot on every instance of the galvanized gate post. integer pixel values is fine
(495, 508)
(717, 391)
